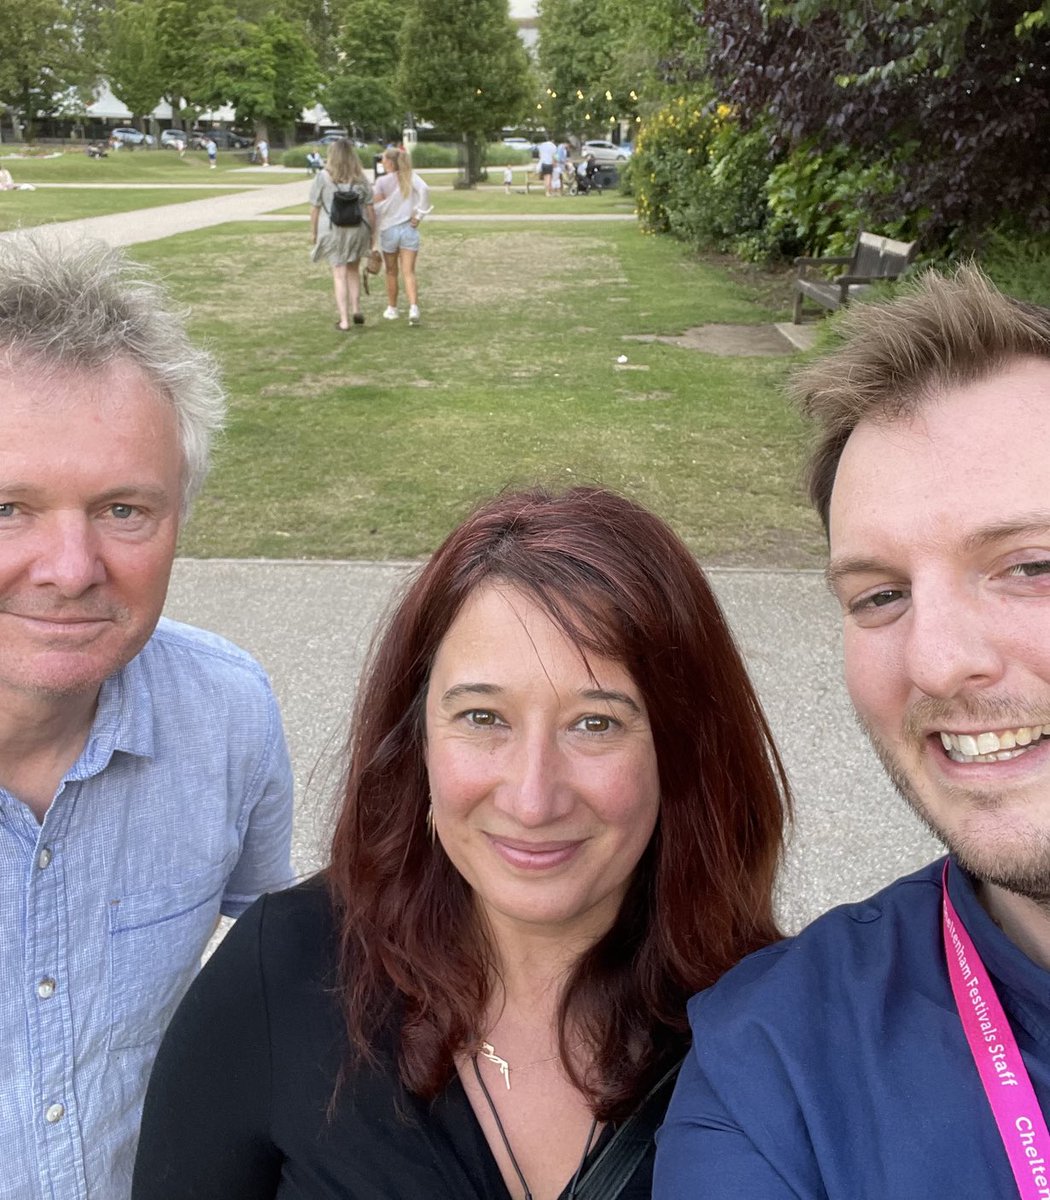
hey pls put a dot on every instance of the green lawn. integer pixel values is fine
(43, 206)
(372, 444)
(124, 166)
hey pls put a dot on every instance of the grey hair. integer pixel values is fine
(83, 307)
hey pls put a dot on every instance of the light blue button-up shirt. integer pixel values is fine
(179, 808)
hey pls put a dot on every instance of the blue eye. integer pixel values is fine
(122, 511)
(7, 510)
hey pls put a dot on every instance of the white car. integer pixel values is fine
(518, 143)
(605, 152)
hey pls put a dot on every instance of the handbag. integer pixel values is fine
(612, 1170)
(375, 263)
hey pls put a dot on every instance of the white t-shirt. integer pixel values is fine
(548, 152)
(394, 209)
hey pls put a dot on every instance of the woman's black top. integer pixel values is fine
(238, 1103)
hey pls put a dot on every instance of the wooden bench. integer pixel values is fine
(874, 259)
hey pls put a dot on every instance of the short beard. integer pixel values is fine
(1003, 867)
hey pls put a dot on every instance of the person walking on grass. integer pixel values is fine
(402, 200)
(342, 246)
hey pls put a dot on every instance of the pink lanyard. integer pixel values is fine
(994, 1049)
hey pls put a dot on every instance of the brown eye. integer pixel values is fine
(596, 724)
(481, 716)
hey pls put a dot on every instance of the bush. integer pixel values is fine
(296, 157)
(700, 178)
(821, 201)
(1019, 263)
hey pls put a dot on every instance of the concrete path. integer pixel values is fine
(310, 624)
(152, 224)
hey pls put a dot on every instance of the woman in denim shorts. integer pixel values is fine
(402, 199)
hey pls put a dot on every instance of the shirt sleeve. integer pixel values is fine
(316, 189)
(422, 195)
(266, 843)
(702, 1153)
(205, 1126)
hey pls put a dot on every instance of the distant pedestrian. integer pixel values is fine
(213, 151)
(314, 162)
(262, 148)
(508, 178)
(548, 153)
(402, 201)
(342, 246)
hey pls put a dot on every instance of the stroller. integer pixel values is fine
(588, 178)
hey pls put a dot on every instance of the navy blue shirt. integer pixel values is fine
(833, 1066)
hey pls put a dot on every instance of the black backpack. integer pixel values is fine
(346, 208)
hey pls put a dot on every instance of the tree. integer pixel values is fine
(361, 91)
(267, 71)
(369, 105)
(580, 57)
(463, 67)
(133, 59)
(949, 95)
(40, 58)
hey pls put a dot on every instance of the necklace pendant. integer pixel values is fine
(489, 1054)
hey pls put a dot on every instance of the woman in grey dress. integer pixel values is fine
(342, 246)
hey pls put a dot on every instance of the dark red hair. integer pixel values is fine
(621, 584)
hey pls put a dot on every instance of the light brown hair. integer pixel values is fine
(938, 332)
(342, 163)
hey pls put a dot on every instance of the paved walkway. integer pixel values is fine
(152, 224)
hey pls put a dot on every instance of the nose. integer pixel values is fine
(953, 643)
(535, 789)
(68, 555)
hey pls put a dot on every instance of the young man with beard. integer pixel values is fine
(900, 1047)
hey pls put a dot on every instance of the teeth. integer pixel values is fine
(991, 747)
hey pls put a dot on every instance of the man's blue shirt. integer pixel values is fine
(178, 808)
(833, 1065)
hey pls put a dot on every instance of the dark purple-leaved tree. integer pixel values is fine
(952, 95)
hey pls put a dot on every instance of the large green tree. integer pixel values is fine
(267, 69)
(463, 67)
(361, 91)
(581, 57)
(132, 61)
(40, 57)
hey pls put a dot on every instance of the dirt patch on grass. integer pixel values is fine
(503, 268)
(731, 341)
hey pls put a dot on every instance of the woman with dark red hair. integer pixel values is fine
(563, 814)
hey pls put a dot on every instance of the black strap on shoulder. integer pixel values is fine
(611, 1171)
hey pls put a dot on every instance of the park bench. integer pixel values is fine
(874, 259)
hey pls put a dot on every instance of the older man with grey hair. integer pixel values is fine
(145, 786)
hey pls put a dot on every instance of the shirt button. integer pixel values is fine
(44, 858)
(45, 989)
(54, 1113)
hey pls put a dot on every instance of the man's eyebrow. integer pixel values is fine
(841, 568)
(1031, 525)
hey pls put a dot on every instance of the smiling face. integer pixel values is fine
(940, 556)
(542, 768)
(90, 480)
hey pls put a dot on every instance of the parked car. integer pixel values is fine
(518, 143)
(605, 151)
(171, 138)
(333, 135)
(130, 137)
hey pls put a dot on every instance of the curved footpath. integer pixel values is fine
(310, 624)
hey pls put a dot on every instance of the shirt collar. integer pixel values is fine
(123, 721)
(1027, 984)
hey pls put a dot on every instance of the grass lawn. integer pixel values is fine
(373, 444)
(43, 207)
(125, 166)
